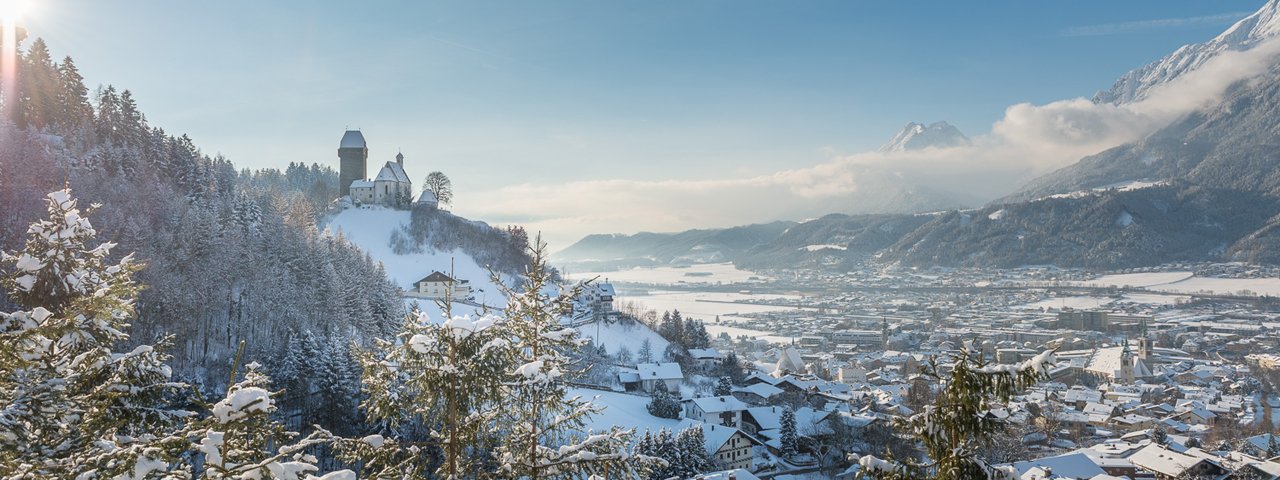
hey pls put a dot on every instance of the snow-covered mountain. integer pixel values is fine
(916, 136)
(1247, 33)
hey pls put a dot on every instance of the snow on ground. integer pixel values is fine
(1137, 280)
(623, 410)
(1124, 219)
(614, 335)
(1079, 303)
(1155, 299)
(814, 248)
(1224, 286)
(706, 306)
(996, 215)
(734, 332)
(1187, 282)
(711, 273)
(370, 228)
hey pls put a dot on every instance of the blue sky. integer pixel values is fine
(543, 92)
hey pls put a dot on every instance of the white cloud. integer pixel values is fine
(1030, 140)
(1155, 24)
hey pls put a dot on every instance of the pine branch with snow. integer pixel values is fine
(545, 423)
(953, 428)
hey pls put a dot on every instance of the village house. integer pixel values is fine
(706, 358)
(727, 446)
(438, 285)
(724, 410)
(647, 376)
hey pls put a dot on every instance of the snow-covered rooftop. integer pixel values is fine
(659, 371)
(352, 139)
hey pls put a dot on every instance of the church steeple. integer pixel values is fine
(400, 159)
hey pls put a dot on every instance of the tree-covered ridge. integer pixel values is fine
(233, 256)
(74, 405)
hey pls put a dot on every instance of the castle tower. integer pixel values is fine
(353, 159)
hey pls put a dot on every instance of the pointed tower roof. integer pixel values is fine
(352, 139)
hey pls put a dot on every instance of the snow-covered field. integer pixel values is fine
(1137, 279)
(711, 273)
(1155, 299)
(735, 332)
(614, 335)
(623, 410)
(1224, 286)
(705, 306)
(1079, 303)
(1187, 282)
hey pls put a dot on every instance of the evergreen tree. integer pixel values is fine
(444, 376)
(72, 100)
(694, 460)
(663, 404)
(787, 433)
(1158, 435)
(723, 387)
(68, 402)
(695, 335)
(240, 440)
(956, 426)
(731, 367)
(545, 422)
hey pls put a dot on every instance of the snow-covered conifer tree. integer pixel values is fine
(724, 387)
(691, 442)
(68, 402)
(240, 440)
(954, 427)
(545, 421)
(787, 433)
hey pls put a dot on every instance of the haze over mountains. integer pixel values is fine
(1201, 185)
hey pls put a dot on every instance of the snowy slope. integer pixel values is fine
(623, 410)
(615, 335)
(370, 227)
(1243, 35)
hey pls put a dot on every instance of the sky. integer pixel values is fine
(570, 116)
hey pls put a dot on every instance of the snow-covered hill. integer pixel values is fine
(370, 228)
(614, 335)
(1250, 31)
(917, 136)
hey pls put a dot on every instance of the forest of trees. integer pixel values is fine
(232, 256)
(462, 398)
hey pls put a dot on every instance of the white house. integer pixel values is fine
(651, 374)
(727, 446)
(437, 285)
(724, 410)
(596, 301)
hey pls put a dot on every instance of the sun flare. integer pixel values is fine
(14, 10)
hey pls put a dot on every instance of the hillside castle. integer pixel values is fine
(390, 187)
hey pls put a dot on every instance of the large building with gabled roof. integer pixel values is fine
(390, 187)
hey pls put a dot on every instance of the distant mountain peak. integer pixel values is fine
(916, 136)
(1247, 33)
